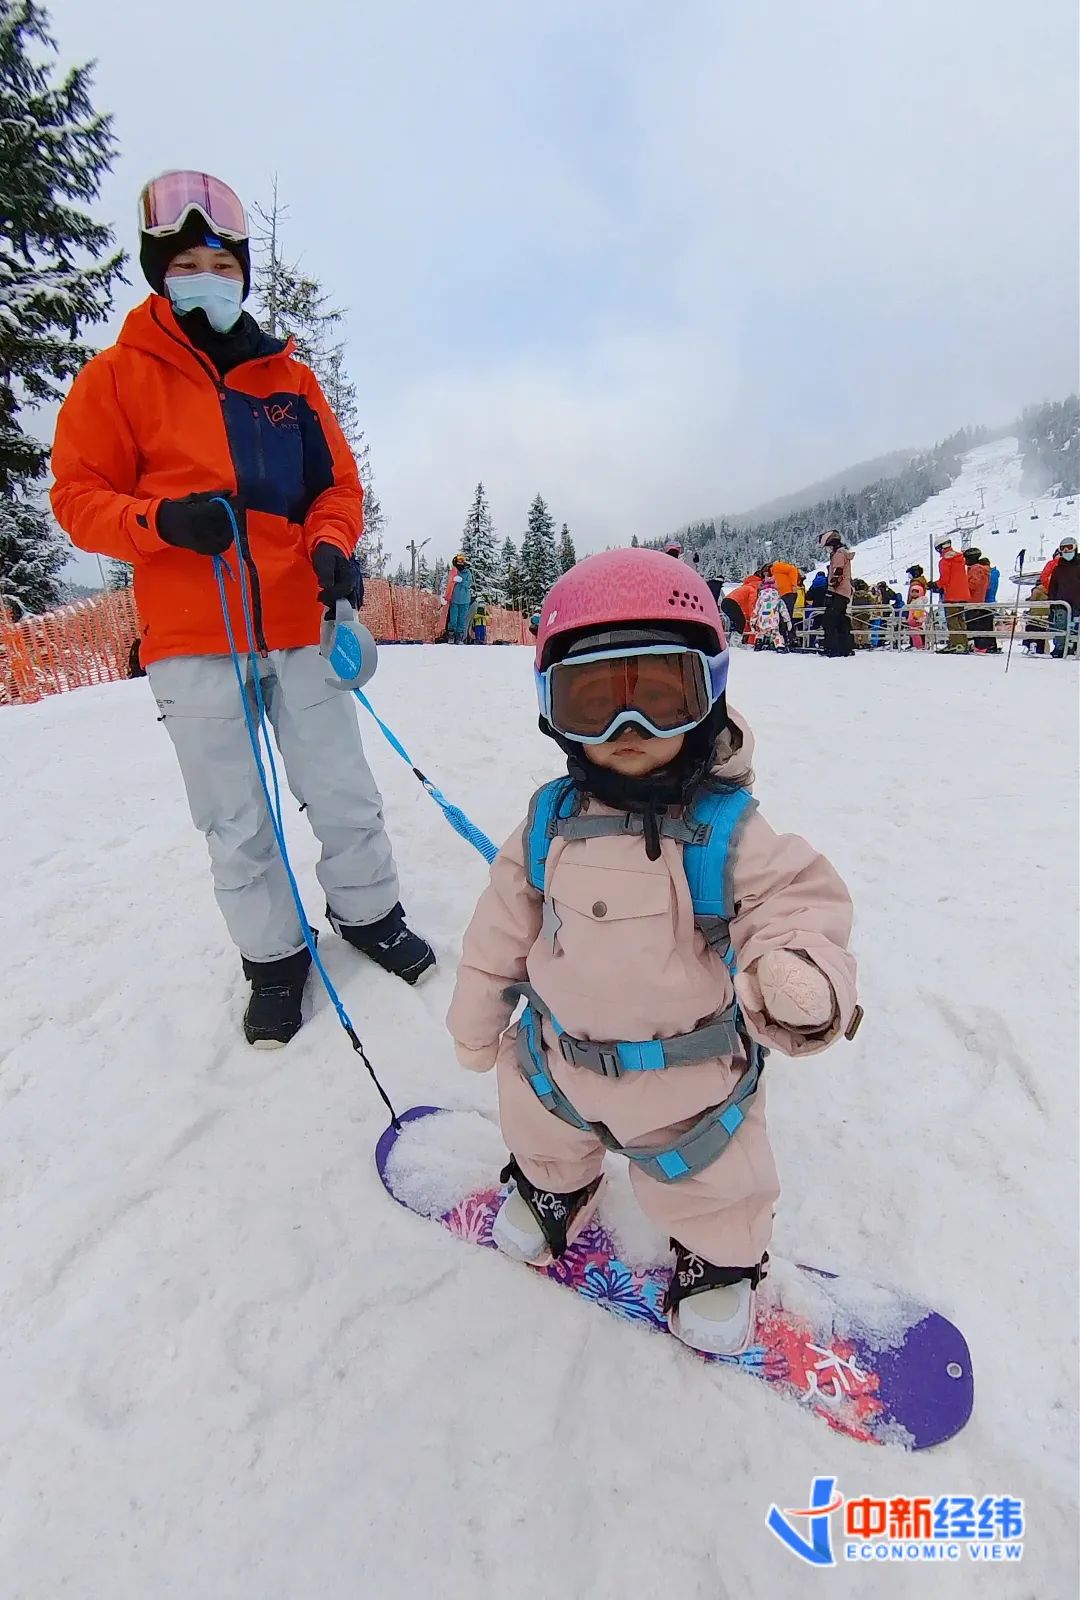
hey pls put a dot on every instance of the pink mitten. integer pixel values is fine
(787, 988)
(477, 1060)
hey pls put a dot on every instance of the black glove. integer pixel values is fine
(339, 577)
(198, 522)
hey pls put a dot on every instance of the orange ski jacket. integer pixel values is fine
(151, 419)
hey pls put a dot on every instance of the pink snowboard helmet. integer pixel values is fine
(627, 588)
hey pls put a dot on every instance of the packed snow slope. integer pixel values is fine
(232, 1369)
(987, 492)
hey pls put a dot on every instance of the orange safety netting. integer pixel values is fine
(91, 642)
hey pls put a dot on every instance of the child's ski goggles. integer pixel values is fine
(167, 201)
(666, 689)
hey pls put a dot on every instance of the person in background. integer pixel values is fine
(197, 435)
(836, 622)
(1048, 571)
(995, 580)
(770, 621)
(915, 610)
(797, 638)
(786, 577)
(816, 594)
(889, 602)
(863, 609)
(673, 548)
(738, 606)
(480, 622)
(1037, 621)
(953, 587)
(534, 624)
(1064, 591)
(979, 620)
(459, 593)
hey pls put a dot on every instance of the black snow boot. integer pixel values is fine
(274, 1014)
(390, 943)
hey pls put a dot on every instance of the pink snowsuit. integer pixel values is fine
(618, 956)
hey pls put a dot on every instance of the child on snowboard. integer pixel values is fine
(655, 1047)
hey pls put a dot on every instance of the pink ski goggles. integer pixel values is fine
(167, 201)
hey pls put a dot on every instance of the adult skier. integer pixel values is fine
(195, 413)
(836, 624)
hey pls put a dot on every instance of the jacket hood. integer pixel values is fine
(154, 328)
(733, 756)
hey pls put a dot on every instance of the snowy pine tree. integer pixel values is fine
(567, 553)
(478, 543)
(439, 574)
(508, 576)
(293, 303)
(55, 275)
(33, 552)
(539, 556)
(634, 542)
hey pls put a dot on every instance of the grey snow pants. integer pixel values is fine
(317, 733)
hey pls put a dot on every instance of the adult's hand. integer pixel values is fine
(198, 522)
(338, 575)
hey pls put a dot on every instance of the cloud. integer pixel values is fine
(653, 262)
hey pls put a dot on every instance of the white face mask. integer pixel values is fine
(1067, 555)
(219, 297)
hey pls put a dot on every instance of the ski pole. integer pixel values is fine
(1016, 606)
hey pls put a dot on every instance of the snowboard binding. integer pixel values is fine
(542, 1229)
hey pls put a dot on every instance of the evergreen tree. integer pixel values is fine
(478, 543)
(539, 556)
(401, 575)
(293, 303)
(567, 553)
(117, 575)
(634, 542)
(56, 276)
(508, 577)
(439, 574)
(33, 552)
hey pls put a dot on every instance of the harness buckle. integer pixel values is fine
(597, 1057)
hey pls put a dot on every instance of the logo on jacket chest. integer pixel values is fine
(281, 415)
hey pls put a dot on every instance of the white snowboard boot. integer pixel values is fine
(535, 1225)
(712, 1309)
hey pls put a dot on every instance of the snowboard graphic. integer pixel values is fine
(872, 1362)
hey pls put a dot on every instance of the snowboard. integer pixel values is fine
(871, 1361)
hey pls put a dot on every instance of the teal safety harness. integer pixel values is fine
(707, 834)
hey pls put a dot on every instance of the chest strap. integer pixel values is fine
(697, 1149)
(720, 1037)
(629, 822)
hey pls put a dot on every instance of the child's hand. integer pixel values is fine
(787, 988)
(477, 1060)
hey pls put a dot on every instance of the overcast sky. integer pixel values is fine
(654, 261)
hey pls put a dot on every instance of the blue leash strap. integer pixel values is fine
(273, 804)
(457, 819)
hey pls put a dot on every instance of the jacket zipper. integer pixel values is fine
(245, 549)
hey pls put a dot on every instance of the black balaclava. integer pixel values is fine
(156, 254)
(650, 797)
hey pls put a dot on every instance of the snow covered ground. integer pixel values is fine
(987, 492)
(232, 1369)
